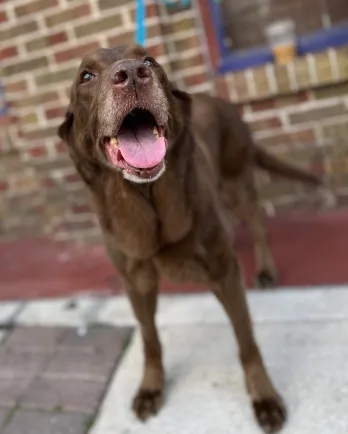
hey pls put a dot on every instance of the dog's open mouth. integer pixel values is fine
(139, 147)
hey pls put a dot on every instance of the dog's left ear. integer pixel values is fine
(65, 128)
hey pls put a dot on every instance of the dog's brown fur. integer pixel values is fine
(177, 225)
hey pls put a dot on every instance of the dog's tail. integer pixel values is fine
(272, 164)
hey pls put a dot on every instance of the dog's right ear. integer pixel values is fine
(65, 128)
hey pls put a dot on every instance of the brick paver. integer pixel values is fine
(4, 414)
(11, 389)
(18, 363)
(33, 422)
(71, 365)
(40, 338)
(52, 380)
(70, 395)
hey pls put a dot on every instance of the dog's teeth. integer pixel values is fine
(155, 132)
(114, 142)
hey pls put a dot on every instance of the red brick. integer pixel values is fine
(47, 41)
(188, 63)
(17, 86)
(153, 31)
(3, 17)
(25, 66)
(68, 15)
(75, 52)
(36, 99)
(265, 124)
(265, 104)
(317, 113)
(61, 148)
(187, 43)
(221, 88)
(195, 79)
(18, 30)
(42, 133)
(80, 209)
(156, 50)
(34, 7)
(151, 11)
(57, 112)
(7, 52)
(38, 151)
(74, 177)
(98, 26)
(108, 4)
(293, 99)
(47, 183)
(122, 39)
(3, 185)
(304, 136)
(76, 225)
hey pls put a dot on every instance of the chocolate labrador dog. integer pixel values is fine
(162, 167)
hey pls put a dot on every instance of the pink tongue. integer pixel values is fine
(139, 146)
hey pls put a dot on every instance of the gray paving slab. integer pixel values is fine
(40, 338)
(68, 395)
(4, 414)
(100, 339)
(206, 394)
(51, 380)
(77, 365)
(27, 422)
(20, 363)
(11, 390)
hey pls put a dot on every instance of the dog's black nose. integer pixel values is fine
(130, 73)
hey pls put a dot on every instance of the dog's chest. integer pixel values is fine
(143, 221)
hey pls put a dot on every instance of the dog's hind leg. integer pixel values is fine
(242, 199)
(266, 274)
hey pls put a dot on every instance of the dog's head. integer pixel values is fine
(124, 113)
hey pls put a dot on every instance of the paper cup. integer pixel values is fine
(282, 40)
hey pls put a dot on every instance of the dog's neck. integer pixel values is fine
(168, 198)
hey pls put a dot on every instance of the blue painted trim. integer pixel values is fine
(321, 40)
(140, 18)
(170, 3)
(243, 59)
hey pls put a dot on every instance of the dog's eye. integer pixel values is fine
(86, 77)
(149, 62)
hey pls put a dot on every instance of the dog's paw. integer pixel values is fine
(271, 414)
(265, 279)
(147, 403)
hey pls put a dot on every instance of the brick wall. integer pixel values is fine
(299, 112)
(42, 42)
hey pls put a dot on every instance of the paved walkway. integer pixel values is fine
(303, 335)
(52, 380)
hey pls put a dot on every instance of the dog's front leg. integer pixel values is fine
(142, 288)
(141, 284)
(268, 405)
